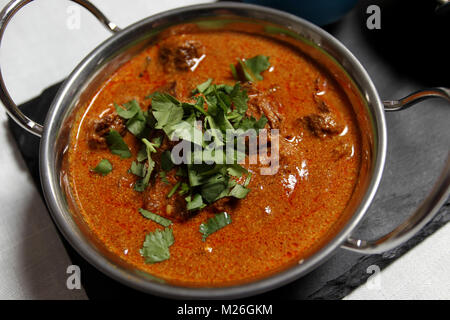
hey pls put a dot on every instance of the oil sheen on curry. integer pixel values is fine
(207, 222)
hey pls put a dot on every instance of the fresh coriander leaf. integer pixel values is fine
(247, 75)
(156, 218)
(174, 189)
(140, 185)
(239, 192)
(137, 119)
(156, 245)
(211, 192)
(137, 124)
(167, 110)
(261, 123)
(129, 110)
(184, 130)
(239, 98)
(116, 144)
(199, 105)
(251, 123)
(195, 173)
(166, 161)
(142, 154)
(214, 224)
(247, 180)
(138, 169)
(203, 86)
(256, 65)
(195, 202)
(103, 167)
(236, 170)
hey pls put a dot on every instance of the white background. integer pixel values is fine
(39, 50)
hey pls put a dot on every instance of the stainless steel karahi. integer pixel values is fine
(120, 47)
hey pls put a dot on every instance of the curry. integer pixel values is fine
(240, 224)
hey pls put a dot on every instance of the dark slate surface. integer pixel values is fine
(418, 142)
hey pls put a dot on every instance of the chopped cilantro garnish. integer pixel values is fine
(129, 109)
(239, 191)
(256, 65)
(250, 69)
(137, 120)
(214, 224)
(140, 185)
(166, 110)
(203, 86)
(156, 245)
(117, 145)
(221, 107)
(156, 218)
(103, 167)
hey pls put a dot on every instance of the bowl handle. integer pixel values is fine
(427, 209)
(5, 16)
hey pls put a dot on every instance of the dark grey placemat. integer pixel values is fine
(417, 147)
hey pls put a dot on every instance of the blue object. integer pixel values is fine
(320, 12)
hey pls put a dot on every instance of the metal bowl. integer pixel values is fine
(123, 44)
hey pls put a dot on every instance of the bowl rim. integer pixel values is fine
(50, 179)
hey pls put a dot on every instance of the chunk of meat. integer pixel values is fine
(322, 125)
(179, 54)
(260, 103)
(99, 128)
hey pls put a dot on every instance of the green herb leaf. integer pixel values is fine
(117, 145)
(239, 192)
(156, 245)
(195, 202)
(236, 170)
(137, 124)
(129, 111)
(247, 180)
(256, 65)
(140, 185)
(167, 110)
(142, 154)
(156, 218)
(103, 167)
(214, 224)
(203, 86)
(138, 169)
(214, 187)
(239, 98)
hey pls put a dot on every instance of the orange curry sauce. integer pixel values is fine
(284, 215)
